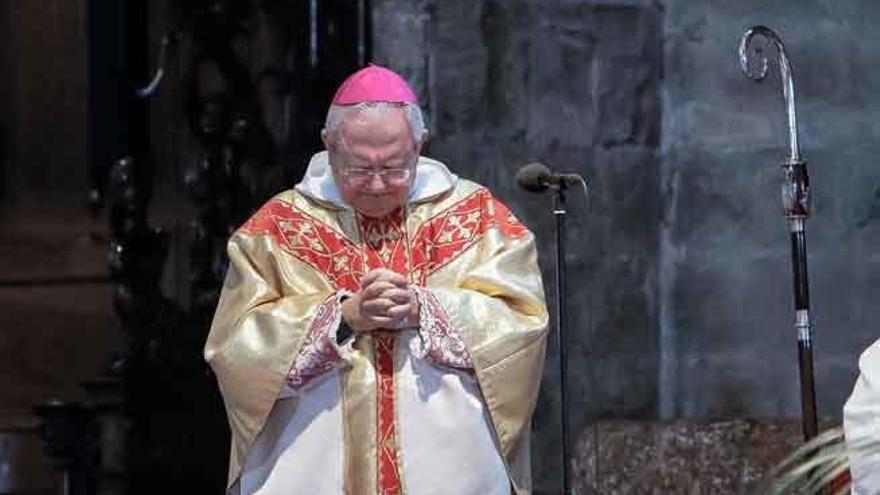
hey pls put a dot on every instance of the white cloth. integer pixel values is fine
(445, 436)
(432, 179)
(446, 443)
(300, 449)
(861, 423)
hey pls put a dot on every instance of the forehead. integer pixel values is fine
(377, 126)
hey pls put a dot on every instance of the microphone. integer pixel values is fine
(537, 177)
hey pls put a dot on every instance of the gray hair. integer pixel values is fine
(337, 114)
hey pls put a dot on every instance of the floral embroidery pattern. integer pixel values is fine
(386, 425)
(320, 352)
(309, 240)
(450, 233)
(438, 340)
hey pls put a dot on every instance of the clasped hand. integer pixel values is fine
(384, 301)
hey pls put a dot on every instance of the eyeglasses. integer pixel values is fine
(388, 175)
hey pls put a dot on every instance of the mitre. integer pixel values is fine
(374, 83)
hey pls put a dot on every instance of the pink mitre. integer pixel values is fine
(374, 83)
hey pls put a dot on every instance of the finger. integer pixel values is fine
(381, 322)
(404, 320)
(396, 279)
(398, 295)
(376, 274)
(399, 311)
(384, 275)
(375, 290)
(377, 307)
(370, 277)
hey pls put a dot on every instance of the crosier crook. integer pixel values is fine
(796, 205)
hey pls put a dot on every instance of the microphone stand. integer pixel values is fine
(560, 212)
(796, 204)
(537, 178)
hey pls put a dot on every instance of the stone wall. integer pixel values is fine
(727, 327)
(509, 82)
(683, 456)
(680, 298)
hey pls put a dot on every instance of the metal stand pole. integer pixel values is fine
(796, 204)
(559, 212)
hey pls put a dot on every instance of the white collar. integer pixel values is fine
(432, 179)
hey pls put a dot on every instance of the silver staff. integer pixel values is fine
(796, 204)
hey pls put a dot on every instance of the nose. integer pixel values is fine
(375, 184)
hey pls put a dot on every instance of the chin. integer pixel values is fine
(374, 211)
(378, 207)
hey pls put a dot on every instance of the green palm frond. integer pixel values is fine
(811, 468)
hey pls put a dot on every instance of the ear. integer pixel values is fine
(325, 137)
(422, 141)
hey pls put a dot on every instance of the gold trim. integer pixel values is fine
(359, 416)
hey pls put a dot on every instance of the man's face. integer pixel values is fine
(373, 160)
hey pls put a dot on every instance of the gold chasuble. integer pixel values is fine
(474, 268)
